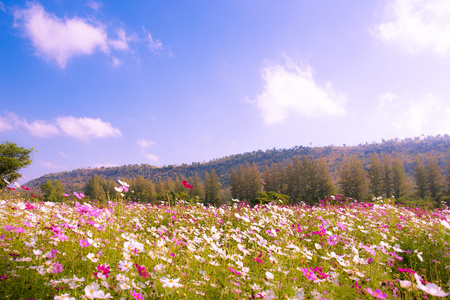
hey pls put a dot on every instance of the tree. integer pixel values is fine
(12, 159)
(353, 180)
(386, 176)
(53, 190)
(94, 190)
(398, 178)
(420, 177)
(197, 190)
(447, 177)
(252, 178)
(212, 187)
(434, 177)
(375, 175)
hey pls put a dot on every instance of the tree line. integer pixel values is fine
(305, 180)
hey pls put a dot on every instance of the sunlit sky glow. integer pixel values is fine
(91, 84)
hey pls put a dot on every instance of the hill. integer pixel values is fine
(406, 149)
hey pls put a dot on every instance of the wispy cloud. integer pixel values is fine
(2, 6)
(61, 39)
(86, 128)
(106, 165)
(5, 124)
(149, 156)
(94, 5)
(404, 117)
(417, 25)
(145, 143)
(290, 90)
(49, 165)
(62, 154)
(79, 128)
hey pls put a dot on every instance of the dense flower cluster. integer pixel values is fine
(142, 251)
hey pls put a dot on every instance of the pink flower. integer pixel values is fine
(25, 188)
(309, 274)
(141, 271)
(187, 185)
(377, 293)
(234, 271)
(57, 268)
(84, 243)
(136, 295)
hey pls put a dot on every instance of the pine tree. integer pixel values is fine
(353, 181)
(270, 178)
(253, 181)
(447, 177)
(197, 190)
(212, 188)
(420, 177)
(386, 176)
(434, 177)
(375, 175)
(169, 185)
(398, 178)
(94, 189)
(325, 186)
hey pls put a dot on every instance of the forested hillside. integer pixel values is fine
(407, 150)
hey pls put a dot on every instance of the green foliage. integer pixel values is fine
(53, 190)
(264, 198)
(12, 159)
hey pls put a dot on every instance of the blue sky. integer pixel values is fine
(90, 83)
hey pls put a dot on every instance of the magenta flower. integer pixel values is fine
(234, 271)
(103, 270)
(66, 195)
(77, 195)
(309, 274)
(258, 260)
(407, 271)
(60, 236)
(136, 295)
(332, 240)
(57, 268)
(377, 293)
(84, 243)
(142, 271)
(187, 185)
(25, 188)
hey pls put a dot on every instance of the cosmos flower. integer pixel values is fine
(377, 293)
(430, 288)
(170, 283)
(187, 185)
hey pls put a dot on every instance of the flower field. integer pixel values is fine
(123, 250)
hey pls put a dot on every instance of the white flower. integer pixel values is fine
(430, 288)
(269, 275)
(91, 290)
(37, 252)
(123, 183)
(159, 267)
(170, 283)
(92, 257)
(405, 284)
(73, 285)
(317, 246)
(445, 224)
(125, 266)
(118, 189)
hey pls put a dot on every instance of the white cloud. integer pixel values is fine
(4, 124)
(106, 165)
(80, 128)
(40, 128)
(62, 154)
(60, 39)
(122, 42)
(116, 62)
(145, 143)
(49, 165)
(417, 25)
(154, 45)
(94, 5)
(290, 90)
(428, 115)
(151, 157)
(2, 6)
(86, 128)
